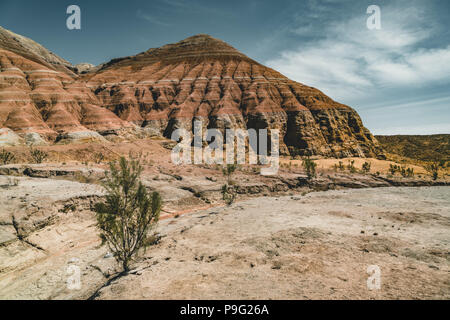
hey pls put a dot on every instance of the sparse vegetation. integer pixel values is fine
(129, 212)
(99, 157)
(433, 169)
(410, 172)
(6, 157)
(228, 172)
(393, 169)
(228, 194)
(37, 155)
(402, 170)
(366, 167)
(228, 191)
(310, 167)
(423, 148)
(351, 166)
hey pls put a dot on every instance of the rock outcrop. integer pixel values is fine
(199, 78)
(40, 94)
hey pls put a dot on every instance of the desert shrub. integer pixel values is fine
(403, 172)
(228, 171)
(99, 157)
(228, 194)
(393, 169)
(6, 157)
(128, 213)
(433, 169)
(228, 191)
(37, 155)
(351, 166)
(341, 166)
(366, 167)
(335, 167)
(310, 167)
(410, 172)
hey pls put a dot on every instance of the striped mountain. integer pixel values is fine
(159, 90)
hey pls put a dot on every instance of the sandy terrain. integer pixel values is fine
(282, 239)
(311, 246)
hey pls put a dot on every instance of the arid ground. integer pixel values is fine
(285, 237)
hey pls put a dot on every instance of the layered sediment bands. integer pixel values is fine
(163, 89)
(202, 78)
(37, 99)
(33, 51)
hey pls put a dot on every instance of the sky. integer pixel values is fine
(396, 77)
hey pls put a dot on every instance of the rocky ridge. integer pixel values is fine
(162, 89)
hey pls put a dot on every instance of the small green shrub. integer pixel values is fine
(410, 172)
(228, 171)
(38, 156)
(99, 157)
(351, 166)
(366, 167)
(6, 157)
(310, 167)
(393, 168)
(228, 194)
(129, 212)
(433, 169)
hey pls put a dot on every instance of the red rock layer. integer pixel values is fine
(205, 78)
(36, 98)
(169, 87)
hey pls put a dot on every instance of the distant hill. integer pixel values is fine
(423, 148)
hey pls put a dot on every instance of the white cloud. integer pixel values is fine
(350, 60)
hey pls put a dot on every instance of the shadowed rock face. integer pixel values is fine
(199, 78)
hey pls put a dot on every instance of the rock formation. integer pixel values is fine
(167, 88)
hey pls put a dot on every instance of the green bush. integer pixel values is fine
(433, 169)
(351, 166)
(128, 213)
(228, 171)
(393, 168)
(366, 167)
(38, 156)
(228, 194)
(228, 191)
(410, 172)
(99, 157)
(6, 157)
(310, 167)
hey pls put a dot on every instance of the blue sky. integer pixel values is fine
(397, 78)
